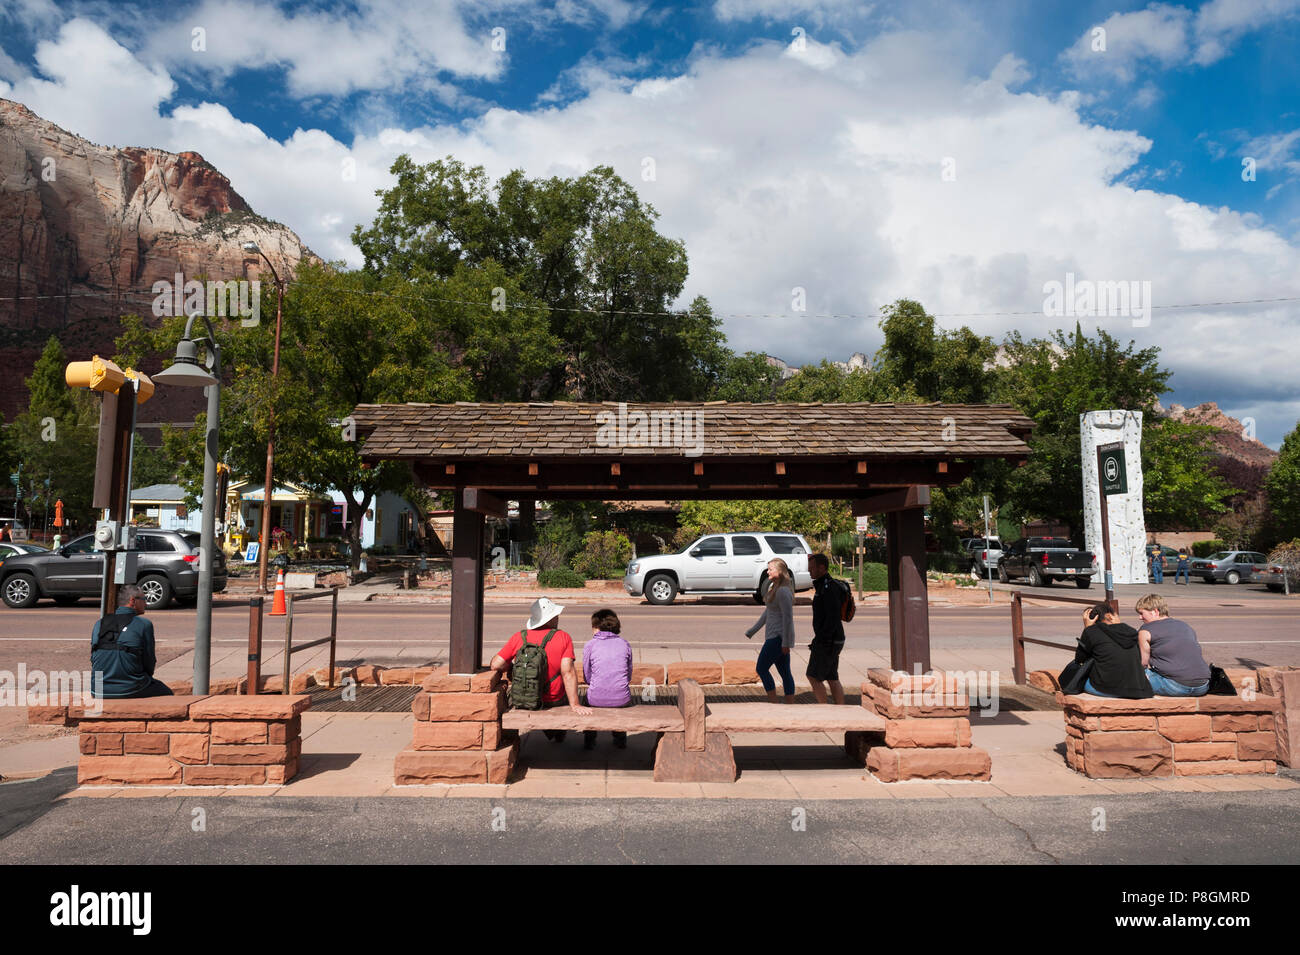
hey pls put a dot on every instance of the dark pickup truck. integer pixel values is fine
(1046, 559)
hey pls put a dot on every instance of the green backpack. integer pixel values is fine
(528, 674)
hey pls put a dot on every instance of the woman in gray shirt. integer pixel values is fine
(778, 619)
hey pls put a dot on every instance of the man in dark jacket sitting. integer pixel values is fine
(121, 648)
(1117, 658)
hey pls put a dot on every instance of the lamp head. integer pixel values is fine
(186, 370)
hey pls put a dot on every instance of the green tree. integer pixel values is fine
(813, 519)
(54, 439)
(586, 248)
(916, 360)
(151, 465)
(1053, 380)
(348, 338)
(747, 377)
(1282, 487)
(1180, 487)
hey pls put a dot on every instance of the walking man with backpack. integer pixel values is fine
(540, 658)
(829, 596)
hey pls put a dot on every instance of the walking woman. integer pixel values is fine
(778, 618)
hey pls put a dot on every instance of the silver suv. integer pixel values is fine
(718, 564)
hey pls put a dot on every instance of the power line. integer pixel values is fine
(422, 297)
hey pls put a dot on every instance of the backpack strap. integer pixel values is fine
(110, 628)
(545, 640)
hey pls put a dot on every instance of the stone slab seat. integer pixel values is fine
(785, 718)
(631, 719)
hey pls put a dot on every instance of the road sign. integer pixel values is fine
(1111, 470)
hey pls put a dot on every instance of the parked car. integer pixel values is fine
(718, 564)
(167, 567)
(982, 553)
(1272, 576)
(16, 548)
(1229, 566)
(1047, 559)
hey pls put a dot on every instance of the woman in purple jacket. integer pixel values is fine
(607, 668)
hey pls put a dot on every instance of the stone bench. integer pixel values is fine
(1110, 738)
(695, 743)
(631, 719)
(191, 741)
(908, 727)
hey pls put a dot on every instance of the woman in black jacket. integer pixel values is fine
(1116, 657)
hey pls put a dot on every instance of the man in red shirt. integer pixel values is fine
(544, 617)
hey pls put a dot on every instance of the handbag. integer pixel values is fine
(1220, 685)
(1074, 676)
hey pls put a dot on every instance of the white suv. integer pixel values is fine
(717, 564)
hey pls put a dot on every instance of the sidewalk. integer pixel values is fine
(352, 754)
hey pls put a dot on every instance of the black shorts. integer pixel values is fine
(824, 660)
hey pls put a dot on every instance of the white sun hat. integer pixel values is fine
(543, 609)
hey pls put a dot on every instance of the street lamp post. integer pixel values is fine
(264, 531)
(188, 372)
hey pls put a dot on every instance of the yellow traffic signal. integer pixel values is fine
(98, 374)
(143, 385)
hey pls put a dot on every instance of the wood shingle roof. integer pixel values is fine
(570, 430)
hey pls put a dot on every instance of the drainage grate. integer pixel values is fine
(369, 699)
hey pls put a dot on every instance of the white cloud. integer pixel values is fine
(93, 86)
(1220, 23)
(773, 10)
(1162, 36)
(778, 175)
(1157, 36)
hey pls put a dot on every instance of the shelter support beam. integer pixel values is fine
(909, 610)
(466, 586)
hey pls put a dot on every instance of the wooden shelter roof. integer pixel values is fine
(467, 430)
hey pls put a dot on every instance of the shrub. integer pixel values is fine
(1206, 548)
(556, 541)
(874, 577)
(1287, 556)
(560, 577)
(603, 554)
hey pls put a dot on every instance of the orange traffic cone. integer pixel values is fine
(277, 605)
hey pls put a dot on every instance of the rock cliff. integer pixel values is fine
(85, 231)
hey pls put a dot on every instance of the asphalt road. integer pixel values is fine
(1252, 629)
(1244, 828)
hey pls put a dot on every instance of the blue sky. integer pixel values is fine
(796, 145)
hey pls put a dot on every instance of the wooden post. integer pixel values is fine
(861, 556)
(1017, 639)
(254, 645)
(120, 507)
(909, 610)
(527, 527)
(466, 588)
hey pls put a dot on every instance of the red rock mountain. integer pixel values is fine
(1243, 461)
(86, 230)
